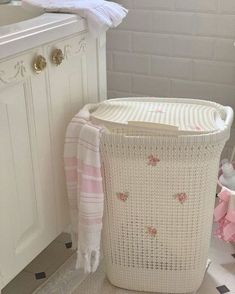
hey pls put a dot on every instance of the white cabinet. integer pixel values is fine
(34, 112)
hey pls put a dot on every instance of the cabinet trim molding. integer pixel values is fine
(20, 72)
(70, 50)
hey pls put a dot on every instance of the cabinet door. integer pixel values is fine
(27, 205)
(68, 93)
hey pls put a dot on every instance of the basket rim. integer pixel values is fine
(221, 131)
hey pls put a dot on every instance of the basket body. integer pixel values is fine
(159, 200)
(160, 160)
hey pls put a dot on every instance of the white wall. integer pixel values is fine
(174, 48)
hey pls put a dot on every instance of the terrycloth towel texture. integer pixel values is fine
(100, 14)
(84, 185)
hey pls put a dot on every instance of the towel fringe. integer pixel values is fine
(89, 260)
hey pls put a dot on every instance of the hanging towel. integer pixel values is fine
(100, 14)
(84, 185)
(225, 215)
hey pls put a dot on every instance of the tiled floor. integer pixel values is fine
(219, 279)
(42, 267)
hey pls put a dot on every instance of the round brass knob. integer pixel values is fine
(57, 56)
(39, 63)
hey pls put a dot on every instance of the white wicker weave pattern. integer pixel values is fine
(173, 260)
(159, 199)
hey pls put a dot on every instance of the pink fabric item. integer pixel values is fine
(225, 215)
(84, 186)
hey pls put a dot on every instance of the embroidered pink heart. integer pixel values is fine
(153, 160)
(181, 197)
(152, 231)
(122, 196)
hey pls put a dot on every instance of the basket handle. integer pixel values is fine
(143, 124)
(163, 127)
(229, 116)
(232, 155)
(228, 123)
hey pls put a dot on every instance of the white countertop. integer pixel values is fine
(27, 34)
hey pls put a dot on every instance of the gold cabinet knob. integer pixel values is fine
(57, 56)
(39, 63)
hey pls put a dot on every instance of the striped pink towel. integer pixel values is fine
(84, 185)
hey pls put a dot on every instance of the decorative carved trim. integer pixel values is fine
(70, 50)
(2, 77)
(20, 71)
(81, 45)
(67, 51)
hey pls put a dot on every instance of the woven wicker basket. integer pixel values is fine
(160, 163)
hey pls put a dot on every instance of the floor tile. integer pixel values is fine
(24, 283)
(208, 285)
(220, 251)
(50, 259)
(63, 238)
(68, 245)
(96, 283)
(40, 269)
(58, 262)
(39, 276)
(65, 280)
(223, 289)
(222, 276)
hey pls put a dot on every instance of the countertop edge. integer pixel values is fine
(57, 27)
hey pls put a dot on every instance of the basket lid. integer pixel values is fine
(188, 115)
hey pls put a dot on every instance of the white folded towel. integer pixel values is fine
(100, 14)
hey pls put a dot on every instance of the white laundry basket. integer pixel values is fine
(160, 162)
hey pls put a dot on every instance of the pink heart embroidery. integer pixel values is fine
(181, 197)
(122, 196)
(152, 231)
(153, 160)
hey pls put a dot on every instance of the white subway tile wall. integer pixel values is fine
(174, 48)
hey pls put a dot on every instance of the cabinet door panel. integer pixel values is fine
(17, 156)
(27, 208)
